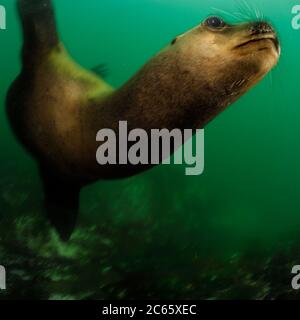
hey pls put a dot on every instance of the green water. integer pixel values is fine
(232, 232)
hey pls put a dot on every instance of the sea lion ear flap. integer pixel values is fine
(176, 39)
(61, 202)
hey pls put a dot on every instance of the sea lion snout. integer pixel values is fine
(262, 34)
(261, 27)
(266, 31)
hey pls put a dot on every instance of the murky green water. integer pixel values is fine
(231, 233)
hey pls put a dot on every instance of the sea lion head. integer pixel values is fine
(200, 73)
(222, 61)
(252, 46)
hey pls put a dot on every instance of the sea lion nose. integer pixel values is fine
(261, 27)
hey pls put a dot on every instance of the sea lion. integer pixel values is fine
(56, 107)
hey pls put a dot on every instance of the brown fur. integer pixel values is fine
(56, 108)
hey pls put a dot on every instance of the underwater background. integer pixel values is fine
(232, 233)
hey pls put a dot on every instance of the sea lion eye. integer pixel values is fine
(215, 23)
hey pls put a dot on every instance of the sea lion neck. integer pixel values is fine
(165, 94)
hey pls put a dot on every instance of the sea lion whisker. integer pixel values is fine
(254, 9)
(259, 13)
(226, 13)
(240, 83)
(245, 7)
(237, 84)
(250, 8)
(242, 15)
(232, 85)
(241, 8)
(256, 13)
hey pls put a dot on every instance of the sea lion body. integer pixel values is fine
(56, 98)
(56, 107)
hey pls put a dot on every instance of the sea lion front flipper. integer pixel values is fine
(39, 26)
(101, 70)
(61, 202)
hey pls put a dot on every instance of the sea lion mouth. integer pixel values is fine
(266, 38)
